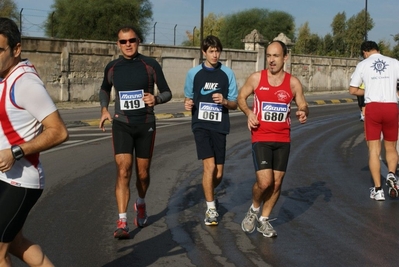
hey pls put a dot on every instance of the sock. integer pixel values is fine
(255, 209)
(377, 189)
(261, 218)
(123, 216)
(210, 205)
(140, 200)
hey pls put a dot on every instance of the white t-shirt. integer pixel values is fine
(24, 103)
(379, 75)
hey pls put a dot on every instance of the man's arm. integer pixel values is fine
(54, 133)
(303, 110)
(246, 90)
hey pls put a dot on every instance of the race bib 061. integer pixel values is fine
(210, 111)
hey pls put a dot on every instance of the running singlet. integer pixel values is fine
(24, 103)
(272, 106)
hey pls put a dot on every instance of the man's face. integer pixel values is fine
(212, 56)
(128, 43)
(7, 61)
(275, 58)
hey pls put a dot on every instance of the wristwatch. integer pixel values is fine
(17, 152)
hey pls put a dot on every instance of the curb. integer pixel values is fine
(163, 116)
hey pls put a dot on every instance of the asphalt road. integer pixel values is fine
(324, 215)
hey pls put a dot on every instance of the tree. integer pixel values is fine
(97, 19)
(355, 33)
(8, 9)
(236, 26)
(212, 26)
(338, 26)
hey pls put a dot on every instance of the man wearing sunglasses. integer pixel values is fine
(133, 77)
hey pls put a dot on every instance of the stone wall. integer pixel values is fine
(72, 70)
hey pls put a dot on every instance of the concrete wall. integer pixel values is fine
(72, 70)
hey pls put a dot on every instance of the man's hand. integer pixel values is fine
(253, 122)
(188, 104)
(218, 98)
(149, 99)
(6, 160)
(105, 115)
(301, 115)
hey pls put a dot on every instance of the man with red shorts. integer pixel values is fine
(379, 75)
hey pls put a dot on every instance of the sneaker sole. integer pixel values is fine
(393, 192)
(120, 234)
(211, 223)
(267, 235)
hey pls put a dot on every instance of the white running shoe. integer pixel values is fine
(393, 188)
(377, 195)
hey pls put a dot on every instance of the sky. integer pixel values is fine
(173, 18)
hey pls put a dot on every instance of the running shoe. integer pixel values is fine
(393, 188)
(377, 195)
(211, 217)
(265, 228)
(122, 231)
(249, 223)
(141, 217)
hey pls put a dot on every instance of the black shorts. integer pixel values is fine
(210, 144)
(15, 205)
(133, 138)
(271, 155)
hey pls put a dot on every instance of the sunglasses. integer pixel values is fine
(132, 40)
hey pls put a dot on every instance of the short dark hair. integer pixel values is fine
(368, 46)
(283, 46)
(127, 28)
(9, 29)
(211, 41)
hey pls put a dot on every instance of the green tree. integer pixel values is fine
(395, 49)
(8, 9)
(355, 33)
(97, 19)
(212, 26)
(302, 42)
(268, 23)
(338, 26)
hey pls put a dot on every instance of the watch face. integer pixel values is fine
(17, 152)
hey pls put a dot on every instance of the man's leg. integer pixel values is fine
(124, 172)
(5, 259)
(391, 155)
(143, 176)
(28, 252)
(374, 161)
(142, 184)
(272, 194)
(208, 178)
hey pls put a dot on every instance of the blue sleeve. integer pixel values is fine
(233, 91)
(189, 84)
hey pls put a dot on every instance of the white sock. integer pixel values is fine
(123, 216)
(210, 205)
(261, 218)
(255, 209)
